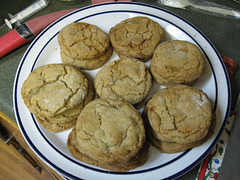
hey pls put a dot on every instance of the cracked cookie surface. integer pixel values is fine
(110, 131)
(70, 114)
(136, 37)
(138, 160)
(177, 62)
(81, 40)
(173, 147)
(180, 114)
(124, 79)
(88, 63)
(54, 88)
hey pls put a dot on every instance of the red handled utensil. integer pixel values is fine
(28, 31)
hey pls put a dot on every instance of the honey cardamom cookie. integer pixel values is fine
(110, 134)
(83, 41)
(177, 62)
(56, 126)
(179, 114)
(72, 113)
(66, 119)
(172, 147)
(136, 161)
(56, 93)
(88, 64)
(84, 45)
(124, 79)
(136, 37)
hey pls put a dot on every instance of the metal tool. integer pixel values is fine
(202, 6)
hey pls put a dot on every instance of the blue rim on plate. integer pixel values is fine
(17, 88)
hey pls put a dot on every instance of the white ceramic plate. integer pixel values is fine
(52, 149)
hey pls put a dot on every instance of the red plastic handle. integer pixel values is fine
(10, 41)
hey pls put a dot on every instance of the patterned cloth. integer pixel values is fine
(210, 167)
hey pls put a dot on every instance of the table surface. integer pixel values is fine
(224, 33)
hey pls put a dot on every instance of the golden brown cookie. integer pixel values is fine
(124, 79)
(172, 147)
(109, 134)
(56, 93)
(66, 119)
(58, 126)
(176, 62)
(88, 64)
(179, 114)
(54, 88)
(136, 37)
(72, 114)
(81, 40)
(109, 130)
(136, 161)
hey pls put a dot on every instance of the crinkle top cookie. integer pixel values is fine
(81, 40)
(180, 114)
(136, 37)
(176, 61)
(124, 79)
(54, 88)
(110, 131)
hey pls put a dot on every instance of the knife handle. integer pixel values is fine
(14, 39)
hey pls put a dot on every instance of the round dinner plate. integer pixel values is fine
(51, 147)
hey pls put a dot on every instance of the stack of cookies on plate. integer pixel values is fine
(125, 79)
(84, 45)
(109, 134)
(177, 118)
(136, 37)
(177, 62)
(56, 95)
